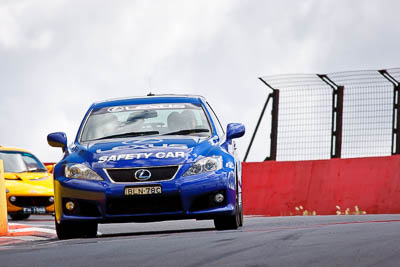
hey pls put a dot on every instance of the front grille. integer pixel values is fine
(128, 175)
(144, 204)
(32, 201)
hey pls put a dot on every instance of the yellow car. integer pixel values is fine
(29, 185)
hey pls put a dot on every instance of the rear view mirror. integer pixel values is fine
(235, 130)
(141, 115)
(58, 139)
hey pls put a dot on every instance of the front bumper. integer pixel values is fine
(181, 198)
(30, 204)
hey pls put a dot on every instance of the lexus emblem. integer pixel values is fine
(142, 175)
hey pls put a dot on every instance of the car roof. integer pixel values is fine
(3, 148)
(150, 99)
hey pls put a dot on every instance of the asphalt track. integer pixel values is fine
(344, 240)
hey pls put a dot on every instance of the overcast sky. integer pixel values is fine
(59, 56)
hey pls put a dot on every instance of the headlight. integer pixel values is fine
(81, 171)
(208, 164)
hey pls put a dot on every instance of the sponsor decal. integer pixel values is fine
(145, 107)
(145, 144)
(158, 155)
(144, 141)
(115, 109)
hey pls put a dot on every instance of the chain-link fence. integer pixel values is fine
(337, 115)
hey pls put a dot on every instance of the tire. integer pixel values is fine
(241, 216)
(69, 230)
(230, 222)
(91, 230)
(19, 216)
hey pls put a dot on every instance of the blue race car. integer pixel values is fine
(146, 159)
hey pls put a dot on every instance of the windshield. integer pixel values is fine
(15, 161)
(146, 119)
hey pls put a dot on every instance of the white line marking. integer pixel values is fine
(33, 229)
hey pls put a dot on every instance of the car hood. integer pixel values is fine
(123, 153)
(29, 183)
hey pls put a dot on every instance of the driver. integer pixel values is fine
(188, 119)
(174, 122)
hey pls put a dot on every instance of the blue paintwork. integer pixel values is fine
(189, 187)
(58, 139)
(235, 130)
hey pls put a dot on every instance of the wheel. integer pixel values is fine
(241, 215)
(68, 230)
(90, 230)
(231, 222)
(228, 222)
(19, 216)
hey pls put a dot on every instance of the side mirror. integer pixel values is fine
(235, 130)
(58, 139)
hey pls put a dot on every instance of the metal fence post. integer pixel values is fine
(274, 125)
(258, 124)
(337, 116)
(337, 122)
(396, 121)
(396, 112)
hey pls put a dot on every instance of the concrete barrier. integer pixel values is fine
(322, 187)
(3, 204)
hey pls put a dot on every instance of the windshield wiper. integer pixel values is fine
(189, 131)
(133, 134)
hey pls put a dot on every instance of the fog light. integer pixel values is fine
(70, 205)
(51, 199)
(219, 198)
(13, 199)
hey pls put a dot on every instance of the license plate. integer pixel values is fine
(34, 210)
(143, 190)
